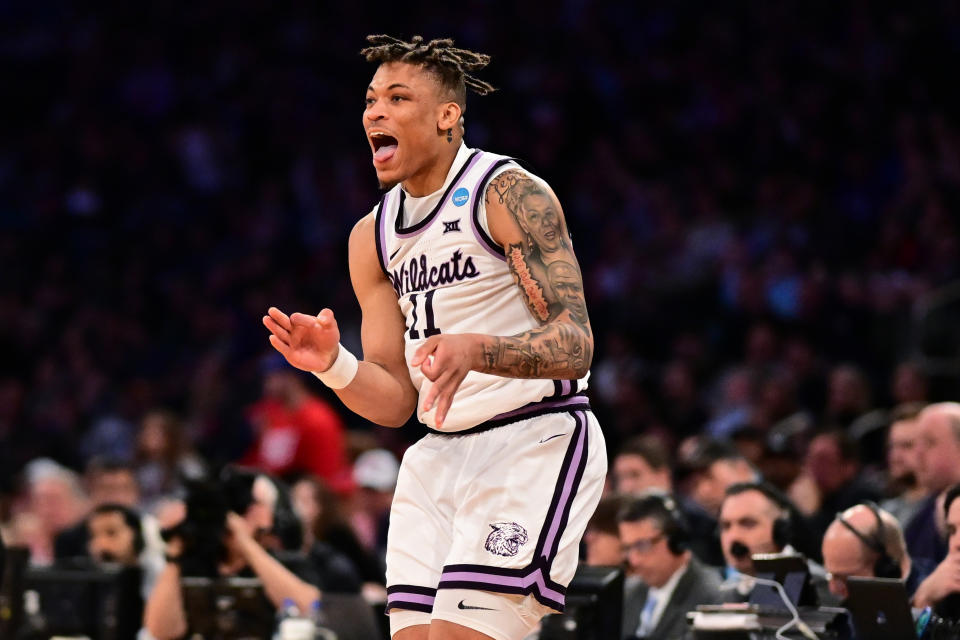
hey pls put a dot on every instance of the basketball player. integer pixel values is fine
(462, 324)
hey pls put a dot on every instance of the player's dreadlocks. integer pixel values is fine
(451, 65)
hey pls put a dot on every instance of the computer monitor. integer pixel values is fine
(100, 602)
(594, 607)
(792, 572)
(11, 589)
(227, 608)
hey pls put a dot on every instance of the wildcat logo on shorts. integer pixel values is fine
(505, 539)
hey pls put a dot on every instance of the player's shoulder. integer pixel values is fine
(364, 225)
(513, 170)
(362, 242)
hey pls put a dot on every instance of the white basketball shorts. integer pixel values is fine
(499, 508)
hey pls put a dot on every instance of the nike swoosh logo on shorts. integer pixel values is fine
(460, 605)
(552, 437)
(395, 253)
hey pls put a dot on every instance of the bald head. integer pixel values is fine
(845, 554)
(938, 428)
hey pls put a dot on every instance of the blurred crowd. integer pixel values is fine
(763, 198)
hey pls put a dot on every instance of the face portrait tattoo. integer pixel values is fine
(568, 287)
(539, 218)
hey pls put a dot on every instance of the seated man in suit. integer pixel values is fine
(757, 518)
(654, 537)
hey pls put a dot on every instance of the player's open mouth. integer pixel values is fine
(384, 146)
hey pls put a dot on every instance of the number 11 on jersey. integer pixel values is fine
(431, 328)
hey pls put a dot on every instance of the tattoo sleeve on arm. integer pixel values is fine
(545, 269)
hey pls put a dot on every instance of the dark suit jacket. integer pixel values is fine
(698, 585)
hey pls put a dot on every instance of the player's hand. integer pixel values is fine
(944, 580)
(307, 342)
(445, 360)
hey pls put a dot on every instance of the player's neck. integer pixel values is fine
(433, 174)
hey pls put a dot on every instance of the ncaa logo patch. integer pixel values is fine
(460, 197)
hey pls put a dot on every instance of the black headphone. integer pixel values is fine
(663, 509)
(676, 529)
(885, 566)
(782, 531)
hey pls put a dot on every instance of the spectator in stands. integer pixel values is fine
(107, 481)
(833, 463)
(641, 464)
(902, 462)
(57, 503)
(602, 538)
(716, 466)
(297, 432)
(375, 474)
(941, 589)
(710, 469)
(937, 469)
(654, 536)
(757, 518)
(163, 457)
(909, 385)
(322, 514)
(866, 541)
(848, 396)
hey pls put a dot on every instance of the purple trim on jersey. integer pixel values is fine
(485, 240)
(535, 578)
(425, 224)
(572, 472)
(409, 597)
(533, 582)
(411, 606)
(550, 404)
(411, 588)
(557, 390)
(406, 596)
(381, 230)
(538, 406)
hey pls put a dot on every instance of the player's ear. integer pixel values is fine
(448, 116)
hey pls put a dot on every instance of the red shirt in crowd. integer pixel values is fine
(307, 439)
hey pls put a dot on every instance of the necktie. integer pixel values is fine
(646, 616)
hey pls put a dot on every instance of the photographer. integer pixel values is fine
(223, 533)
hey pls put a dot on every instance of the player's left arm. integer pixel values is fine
(525, 218)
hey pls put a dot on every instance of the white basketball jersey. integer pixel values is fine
(451, 277)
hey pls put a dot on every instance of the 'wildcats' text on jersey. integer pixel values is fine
(451, 277)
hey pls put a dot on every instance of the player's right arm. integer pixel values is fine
(381, 391)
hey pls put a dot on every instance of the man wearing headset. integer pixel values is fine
(756, 518)
(655, 540)
(866, 541)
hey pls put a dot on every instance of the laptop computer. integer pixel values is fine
(880, 609)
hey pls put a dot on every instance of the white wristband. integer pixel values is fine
(341, 372)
